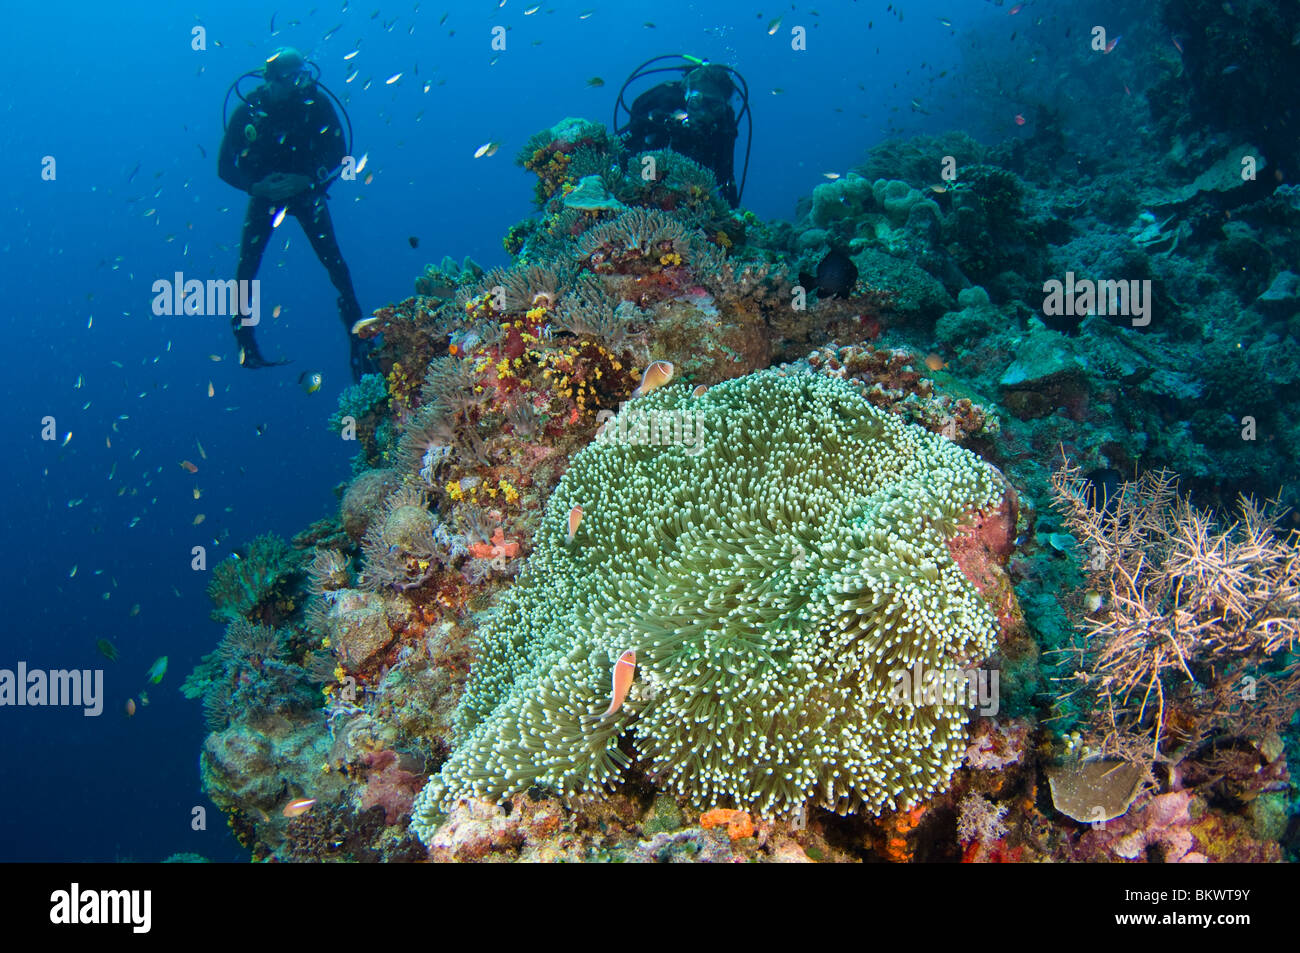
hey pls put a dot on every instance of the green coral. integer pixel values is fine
(769, 574)
(362, 406)
(251, 674)
(360, 400)
(257, 584)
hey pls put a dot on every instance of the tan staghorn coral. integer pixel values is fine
(1193, 617)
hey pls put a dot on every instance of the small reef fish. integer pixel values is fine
(487, 149)
(279, 216)
(211, 390)
(656, 375)
(129, 708)
(298, 806)
(198, 519)
(699, 390)
(624, 669)
(106, 649)
(188, 467)
(1179, 47)
(831, 175)
(392, 79)
(935, 362)
(366, 327)
(202, 453)
(1113, 43)
(595, 82)
(774, 26)
(835, 277)
(1092, 600)
(1016, 9)
(575, 518)
(1020, 119)
(310, 381)
(157, 670)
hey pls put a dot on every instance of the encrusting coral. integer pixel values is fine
(773, 574)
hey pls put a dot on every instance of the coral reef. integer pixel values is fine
(798, 517)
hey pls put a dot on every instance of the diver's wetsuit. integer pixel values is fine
(301, 137)
(707, 135)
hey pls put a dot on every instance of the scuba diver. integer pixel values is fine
(691, 115)
(284, 146)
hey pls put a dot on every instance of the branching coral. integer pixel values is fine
(769, 583)
(256, 584)
(1194, 616)
(248, 676)
(360, 401)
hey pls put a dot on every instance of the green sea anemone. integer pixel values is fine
(773, 550)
